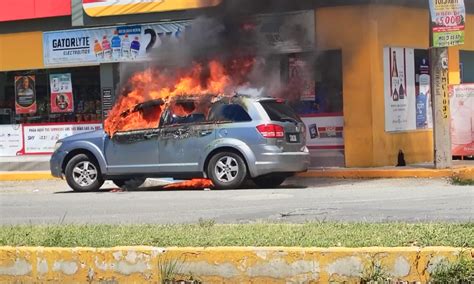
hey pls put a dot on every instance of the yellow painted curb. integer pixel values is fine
(26, 175)
(219, 264)
(464, 173)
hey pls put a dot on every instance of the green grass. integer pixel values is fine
(460, 181)
(206, 233)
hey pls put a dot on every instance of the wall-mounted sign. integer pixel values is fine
(113, 44)
(448, 20)
(107, 101)
(25, 94)
(62, 99)
(462, 119)
(99, 8)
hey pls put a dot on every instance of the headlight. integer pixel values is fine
(57, 145)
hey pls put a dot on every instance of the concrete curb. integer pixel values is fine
(359, 173)
(218, 265)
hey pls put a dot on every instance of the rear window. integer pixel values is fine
(280, 111)
(229, 112)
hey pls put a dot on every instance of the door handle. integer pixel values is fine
(149, 135)
(205, 132)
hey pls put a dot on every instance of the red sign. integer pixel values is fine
(25, 94)
(13, 10)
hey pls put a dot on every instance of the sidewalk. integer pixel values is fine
(461, 169)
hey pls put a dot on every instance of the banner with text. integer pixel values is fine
(41, 138)
(62, 99)
(324, 132)
(111, 44)
(462, 119)
(447, 19)
(11, 140)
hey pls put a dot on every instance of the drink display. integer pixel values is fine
(98, 49)
(395, 78)
(126, 47)
(116, 45)
(135, 47)
(106, 48)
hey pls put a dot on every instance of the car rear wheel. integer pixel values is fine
(227, 170)
(129, 183)
(269, 181)
(83, 174)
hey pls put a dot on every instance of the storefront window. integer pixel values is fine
(318, 81)
(36, 102)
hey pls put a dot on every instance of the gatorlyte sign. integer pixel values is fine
(99, 8)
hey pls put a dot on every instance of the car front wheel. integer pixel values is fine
(83, 174)
(227, 170)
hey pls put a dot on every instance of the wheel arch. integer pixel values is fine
(87, 151)
(239, 148)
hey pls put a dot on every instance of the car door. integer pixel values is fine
(133, 152)
(183, 141)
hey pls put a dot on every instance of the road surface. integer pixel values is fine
(298, 200)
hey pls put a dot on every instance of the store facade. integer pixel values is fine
(344, 69)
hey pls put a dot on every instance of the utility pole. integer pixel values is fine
(440, 104)
(446, 29)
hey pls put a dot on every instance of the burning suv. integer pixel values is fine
(226, 140)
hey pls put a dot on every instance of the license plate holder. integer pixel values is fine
(292, 137)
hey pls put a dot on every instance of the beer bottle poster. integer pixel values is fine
(25, 94)
(62, 99)
(399, 94)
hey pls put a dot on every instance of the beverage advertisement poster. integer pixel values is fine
(424, 115)
(462, 119)
(112, 44)
(399, 93)
(324, 132)
(301, 77)
(25, 95)
(62, 99)
(447, 21)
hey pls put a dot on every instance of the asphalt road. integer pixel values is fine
(298, 200)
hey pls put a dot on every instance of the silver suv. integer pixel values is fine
(233, 139)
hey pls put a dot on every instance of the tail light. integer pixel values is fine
(271, 130)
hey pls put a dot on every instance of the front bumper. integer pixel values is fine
(56, 162)
(284, 162)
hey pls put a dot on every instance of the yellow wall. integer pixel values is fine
(21, 51)
(361, 32)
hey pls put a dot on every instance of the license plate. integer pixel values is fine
(293, 138)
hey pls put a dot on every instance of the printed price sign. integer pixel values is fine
(447, 19)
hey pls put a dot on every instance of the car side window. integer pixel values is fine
(229, 112)
(176, 118)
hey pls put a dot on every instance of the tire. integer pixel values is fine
(129, 183)
(83, 174)
(269, 181)
(227, 170)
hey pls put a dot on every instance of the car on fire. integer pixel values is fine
(230, 140)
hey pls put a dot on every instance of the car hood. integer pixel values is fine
(85, 136)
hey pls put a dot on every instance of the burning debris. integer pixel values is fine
(191, 184)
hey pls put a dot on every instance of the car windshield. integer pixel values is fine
(279, 111)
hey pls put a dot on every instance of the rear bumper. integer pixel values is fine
(55, 163)
(286, 162)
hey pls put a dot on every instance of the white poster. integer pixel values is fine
(399, 85)
(324, 132)
(11, 140)
(112, 44)
(40, 138)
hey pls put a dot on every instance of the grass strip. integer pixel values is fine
(207, 233)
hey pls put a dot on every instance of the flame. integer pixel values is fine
(213, 77)
(191, 184)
